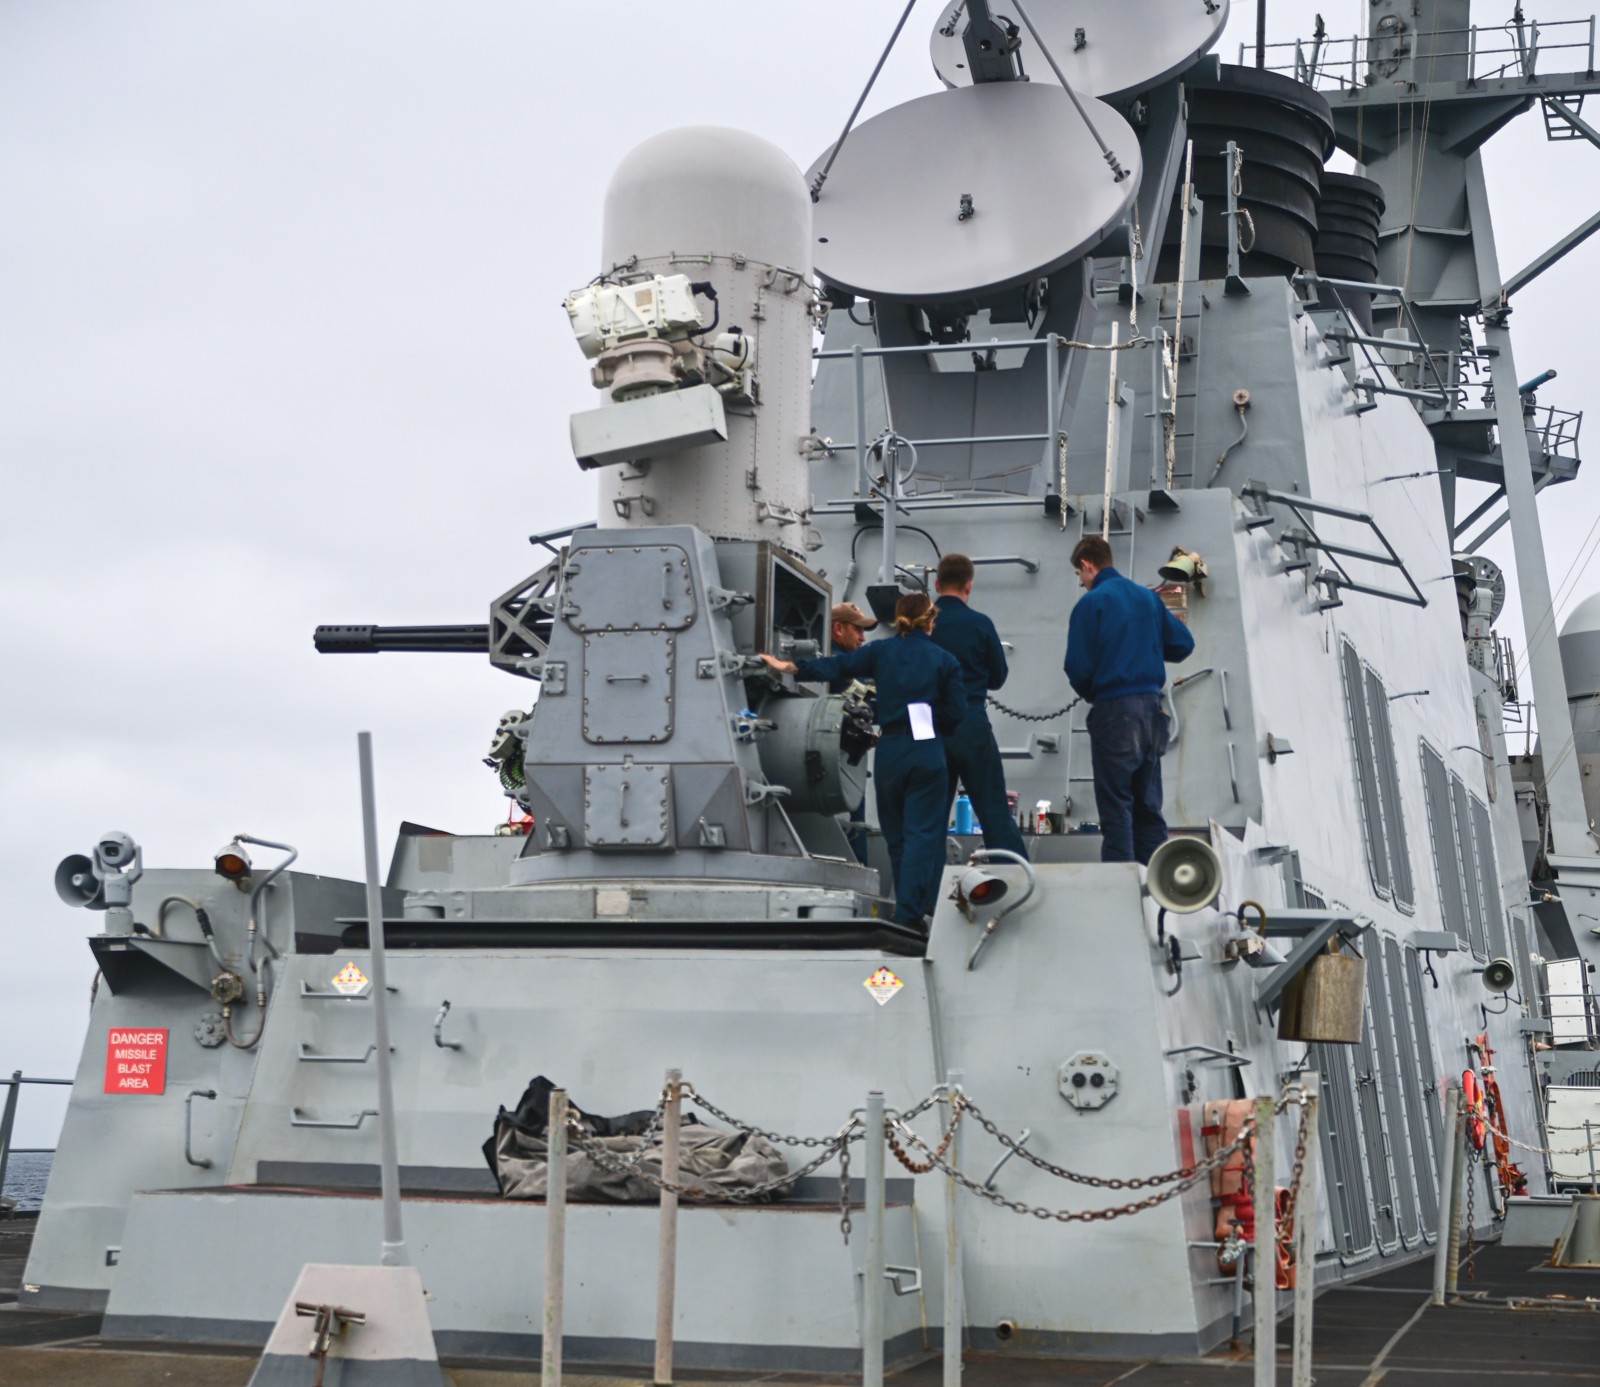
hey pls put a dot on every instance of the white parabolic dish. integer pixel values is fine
(888, 221)
(1126, 48)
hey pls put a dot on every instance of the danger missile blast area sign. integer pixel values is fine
(136, 1060)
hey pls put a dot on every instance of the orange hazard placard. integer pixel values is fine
(136, 1060)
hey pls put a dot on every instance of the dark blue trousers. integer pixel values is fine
(1126, 739)
(973, 758)
(911, 782)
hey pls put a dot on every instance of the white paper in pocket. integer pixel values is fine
(921, 715)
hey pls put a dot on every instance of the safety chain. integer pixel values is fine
(1298, 1173)
(916, 1167)
(838, 1145)
(1495, 1133)
(1104, 1182)
(651, 1128)
(839, 1142)
(691, 1093)
(1470, 1259)
(1033, 717)
(1017, 1206)
(844, 1193)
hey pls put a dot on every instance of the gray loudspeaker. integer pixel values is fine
(1184, 875)
(77, 884)
(1499, 976)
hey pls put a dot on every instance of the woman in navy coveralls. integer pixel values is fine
(910, 774)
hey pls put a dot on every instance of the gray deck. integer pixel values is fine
(1514, 1323)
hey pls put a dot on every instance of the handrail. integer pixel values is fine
(298, 1118)
(204, 1162)
(8, 1116)
(1339, 61)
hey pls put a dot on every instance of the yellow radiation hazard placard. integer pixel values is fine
(882, 985)
(350, 980)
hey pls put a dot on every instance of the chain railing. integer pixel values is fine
(878, 1128)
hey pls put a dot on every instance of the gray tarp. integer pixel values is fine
(713, 1162)
(710, 1161)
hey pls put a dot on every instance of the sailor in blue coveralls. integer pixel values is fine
(970, 750)
(850, 626)
(1119, 641)
(920, 700)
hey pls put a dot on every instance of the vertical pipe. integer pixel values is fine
(863, 483)
(1111, 430)
(891, 497)
(394, 1241)
(1305, 1237)
(1458, 1185)
(1185, 211)
(1261, 33)
(8, 1120)
(872, 1255)
(1232, 154)
(1266, 1243)
(1568, 818)
(952, 1250)
(1052, 408)
(667, 1252)
(1447, 1191)
(555, 1237)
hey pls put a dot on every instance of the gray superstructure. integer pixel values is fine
(685, 895)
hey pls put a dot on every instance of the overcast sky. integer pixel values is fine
(281, 343)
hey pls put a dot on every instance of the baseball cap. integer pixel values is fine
(851, 615)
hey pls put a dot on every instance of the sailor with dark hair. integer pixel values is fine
(971, 752)
(920, 700)
(1119, 641)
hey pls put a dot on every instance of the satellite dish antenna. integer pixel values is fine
(1124, 49)
(970, 191)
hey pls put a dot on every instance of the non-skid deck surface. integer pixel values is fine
(1514, 1325)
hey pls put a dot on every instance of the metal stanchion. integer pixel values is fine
(393, 1253)
(1588, 1136)
(1444, 1236)
(1305, 1237)
(872, 1255)
(952, 1247)
(555, 1237)
(1266, 1243)
(667, 1250)
(1458, 1187)
(7, 1122)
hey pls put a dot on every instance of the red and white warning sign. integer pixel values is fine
(882, 985)
(350, 981)
(136, 1060)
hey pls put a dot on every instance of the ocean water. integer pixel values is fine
(26, 1173)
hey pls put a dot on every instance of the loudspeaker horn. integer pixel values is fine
(1184, 875)
(1499, 976)
(1180, 568)
(77, 884)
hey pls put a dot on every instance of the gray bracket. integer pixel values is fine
(720, 599)
(1315, 928)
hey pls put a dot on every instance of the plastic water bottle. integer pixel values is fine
(963, 823)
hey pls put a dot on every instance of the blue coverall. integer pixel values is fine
(1119, 642)
(970, 751)
(910, 776)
